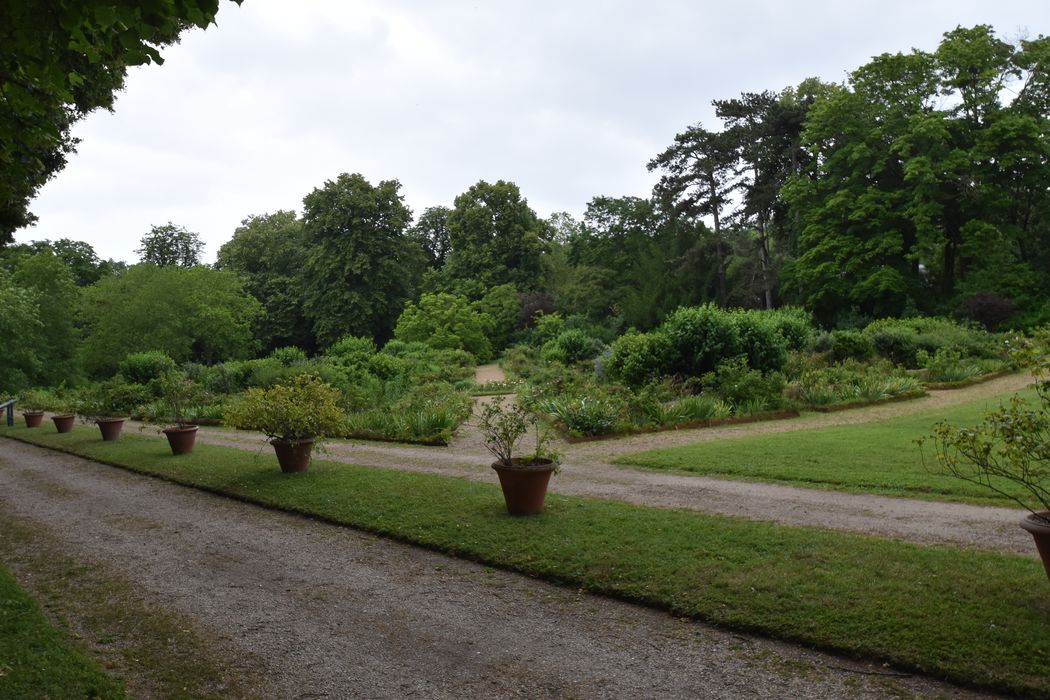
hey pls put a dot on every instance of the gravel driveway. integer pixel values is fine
(333, 613)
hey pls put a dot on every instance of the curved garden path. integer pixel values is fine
(586, 471)
(300, 609)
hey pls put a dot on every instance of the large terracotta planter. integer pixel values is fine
(181, 439)
(524, 484)
(1040, 530)
(110, 427)
(33, 418)
(63, 424)
(293, 455)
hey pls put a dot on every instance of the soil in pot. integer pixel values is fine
(293, 455)
(63, 424)
(181, 439)
(1040, 529)
(110, 427)
(33, 418)
(524, 485)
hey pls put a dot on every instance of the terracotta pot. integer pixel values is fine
(181, 439)
(1040, 530)
(33, 418)
(293, 455)
(63, 424)
(524, 484)
(110, 427)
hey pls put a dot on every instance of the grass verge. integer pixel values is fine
(39, 661)
(879, 457)
(974, 618)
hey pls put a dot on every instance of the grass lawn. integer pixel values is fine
(37, 660)
(971, 617)
(879, 457)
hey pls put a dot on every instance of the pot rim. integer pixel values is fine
(543, 464)
(179, 429)
(1037, 522)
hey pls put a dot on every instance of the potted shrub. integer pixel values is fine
(33, 410)
(178, 392)
(523, 478)
(294, 416)
(99, 405)
(64, 415)
(1010, 448)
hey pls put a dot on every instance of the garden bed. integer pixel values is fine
(692, 425)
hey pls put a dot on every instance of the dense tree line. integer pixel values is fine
(920, 185)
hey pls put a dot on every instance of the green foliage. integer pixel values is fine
(145, 367)
(501, 305)
(598, 413)
(761, 340)
(288, 356)
(170, 245)
(111, 398)
(636, 358)
(446, 322)
(360, 264)
(846, 345)
(850, 381)
(305, 409)
(502, 427)
(700, 337)
(570, 347)
(48, 277)
(739, 385)
(197, 314)
(21, 328)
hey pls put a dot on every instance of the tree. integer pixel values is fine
(431, 231)
(51, 282)
(360, 266)
(198, 314)
(21, 329)
(60, 61)
(268, 253)
(495, 239)
(168, 245)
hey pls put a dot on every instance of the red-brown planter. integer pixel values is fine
(181, 439)
(110, 427)
(1040, 530)
(63, 424)
(524, 484)
(33, 418)
(293, 455)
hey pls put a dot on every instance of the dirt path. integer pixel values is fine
(587, 472)
(483, 374)
(332, 613)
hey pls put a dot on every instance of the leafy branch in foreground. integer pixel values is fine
(1011, 444)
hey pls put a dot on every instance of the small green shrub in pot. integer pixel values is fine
(292, 416)
(523, 479)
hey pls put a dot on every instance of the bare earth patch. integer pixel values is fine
(321, 611)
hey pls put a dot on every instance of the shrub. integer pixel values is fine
(306, 408)
(899, 345)
(288, 356)
(351, 350)
(947, 365)
(990, 310)
(570, 347)
(761, 340)
(851, 345)
(636, 358)
(739, 385)
(700, 337)
(145, 367)
(585, 415)
(447, 321)
(546, 327)
(795, 325)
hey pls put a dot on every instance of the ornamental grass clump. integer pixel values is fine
(304, 409)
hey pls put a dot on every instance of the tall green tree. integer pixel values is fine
(495, 239)
(61, 60)
(50, 280)
(199, 314)
(268, 252)
(361, 266)
(21, 328)
(168, 245)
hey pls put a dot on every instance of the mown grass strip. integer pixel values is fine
(880, 457)
(971, 617)
(39, 661)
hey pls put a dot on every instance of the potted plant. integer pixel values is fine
(100, 405)
(33, 411)
(294, 416)
(64, 415)
(1009, 450)
(524, 479)
(178, 392)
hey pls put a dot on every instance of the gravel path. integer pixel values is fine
(586, 471)
(335, 613)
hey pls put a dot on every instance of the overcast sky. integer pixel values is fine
(568, 99)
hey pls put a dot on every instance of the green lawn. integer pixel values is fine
(972, 617)
(37, 660)
(880, 457)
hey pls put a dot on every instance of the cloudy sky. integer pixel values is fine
(568, 99)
